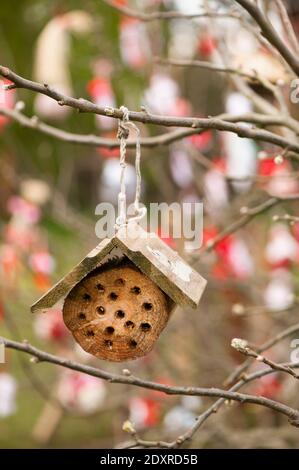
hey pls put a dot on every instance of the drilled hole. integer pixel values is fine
(119, 314)
(113, 296)
(82, 316)
(100, 288)
(136, 290)
(145, 327)
(129, 324)
(86, 296)
(100, 310)
(108, 343)
(90, 333)
(147, 306)
(120, 282)
(109, 330)
(132, 343)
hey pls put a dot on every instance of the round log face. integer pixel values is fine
(116, 314)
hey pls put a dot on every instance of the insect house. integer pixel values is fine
(118, 299)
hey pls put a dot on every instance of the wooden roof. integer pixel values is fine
(149, 253)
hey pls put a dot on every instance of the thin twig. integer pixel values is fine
(216, 406)
(292, 219)
(42, 356)
(248, 215)
(288, 28)
(270, 33)
(253, 76)
(267, 345)
(208, 66)
(93, 140)
(217, 123)
(247, 350)
(244, 379)
(166, 15)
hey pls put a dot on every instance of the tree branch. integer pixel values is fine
(250, 352)
(245, 379)
(208, 66)
(93, 140)
(248, 215)
(166, 15)
(42, 356)
(288, 28)
(253, 77)
(217, 405)
(292, 219)
(270, 33)
(217, 123)
(267, 345)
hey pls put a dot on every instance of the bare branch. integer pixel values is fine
(219, 403)
(253, 77)
(288, 28)
(292, 219)
(93, 140)
(208, 66)
(167, 15)
(248, 215)
(216, 123)
(207, 163)
(245, 379)
(42, 356)
(250, 352)
(270, 33)
(267, 345)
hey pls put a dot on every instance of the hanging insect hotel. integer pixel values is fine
(119, 298)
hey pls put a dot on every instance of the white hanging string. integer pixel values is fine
(124, 126)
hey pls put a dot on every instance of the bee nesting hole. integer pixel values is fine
(145, 327)
(109, 330)
(136, 290)
(100, 310)
(113, 296)
(147, 306)
(86, 297)
(120, 314)
(126, 321)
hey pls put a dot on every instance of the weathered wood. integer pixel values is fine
(149, 253)
(116, 314)
(161, 264)
(59, 291)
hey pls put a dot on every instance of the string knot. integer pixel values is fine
(123, 132)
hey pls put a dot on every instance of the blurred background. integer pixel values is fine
(49, 189)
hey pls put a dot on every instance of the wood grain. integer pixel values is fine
(116, 314)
